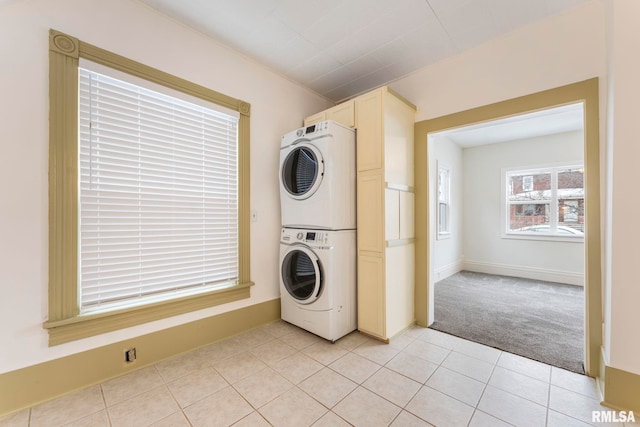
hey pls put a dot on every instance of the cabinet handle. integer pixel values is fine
(400, 242)
(399, 187)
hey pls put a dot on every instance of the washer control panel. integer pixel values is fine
(314, 237)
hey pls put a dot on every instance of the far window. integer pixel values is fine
(444, 214)
(545, 201)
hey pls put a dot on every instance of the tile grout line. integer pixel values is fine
(180, 408)
(166, 384)
(358, 385)
(424, 384)
(294, 386)
(484, 389)
(106, 408)
(297, 386)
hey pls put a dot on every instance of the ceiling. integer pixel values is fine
(340, 48)
(530, 125)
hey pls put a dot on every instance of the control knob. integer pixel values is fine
(300, 236)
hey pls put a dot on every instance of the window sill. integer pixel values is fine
(543, 237)
(87, 325)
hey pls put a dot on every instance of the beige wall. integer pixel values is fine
(131, 29)
(622, 284)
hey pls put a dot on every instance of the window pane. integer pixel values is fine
(443, 225)
(529, 197)
(571, 201)
(529, 186)
(529, 218)
(443, 185)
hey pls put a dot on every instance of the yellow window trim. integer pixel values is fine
(65, 322)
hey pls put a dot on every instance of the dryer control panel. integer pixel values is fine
(308, 130)
(327, 128)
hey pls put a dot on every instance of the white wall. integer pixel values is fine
(447, 252)
(591, 40)
(565, 48)
(484, 248)
(128, 28)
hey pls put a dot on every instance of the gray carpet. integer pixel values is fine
(540, 320)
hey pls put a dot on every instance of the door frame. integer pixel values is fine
(586, 92)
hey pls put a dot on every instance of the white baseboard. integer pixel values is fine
(447, 270)
(557, 276)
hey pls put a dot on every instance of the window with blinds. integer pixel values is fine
(158, 194)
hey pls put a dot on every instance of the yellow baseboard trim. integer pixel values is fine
(29, 386)
(621, 390)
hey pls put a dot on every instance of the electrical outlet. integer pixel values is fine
(130, 355)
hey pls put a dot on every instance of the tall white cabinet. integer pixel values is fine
(385, 203)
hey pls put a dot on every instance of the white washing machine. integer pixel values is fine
(318, 280)
(318, 177)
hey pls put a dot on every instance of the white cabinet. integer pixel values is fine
(385, 205)
(343, 113)
(369, 116)
(384, 123)
(370, 212)
(407, 209)
(371, 294)
(318, 117)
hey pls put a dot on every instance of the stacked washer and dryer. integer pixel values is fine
(318, 240)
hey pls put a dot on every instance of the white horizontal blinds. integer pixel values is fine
(158, 194)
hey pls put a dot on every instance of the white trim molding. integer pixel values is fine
(448, 270)
(557, 276)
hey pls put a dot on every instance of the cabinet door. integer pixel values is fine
(371, 295)
(392, 214)
(399, 288)
(398, 125)
(407, 210)
(318, 117)
(369, 124)
(343, 113)
(370, 200)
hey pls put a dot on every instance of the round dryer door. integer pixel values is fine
(302, 171)
(301, 274)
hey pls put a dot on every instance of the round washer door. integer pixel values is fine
(302, 171)
(301, 274)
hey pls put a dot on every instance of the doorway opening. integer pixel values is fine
(507, 234)
(586, 93)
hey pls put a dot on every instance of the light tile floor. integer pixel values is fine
(281, 375)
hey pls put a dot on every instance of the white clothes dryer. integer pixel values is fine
(318, 177)
(318, 280)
